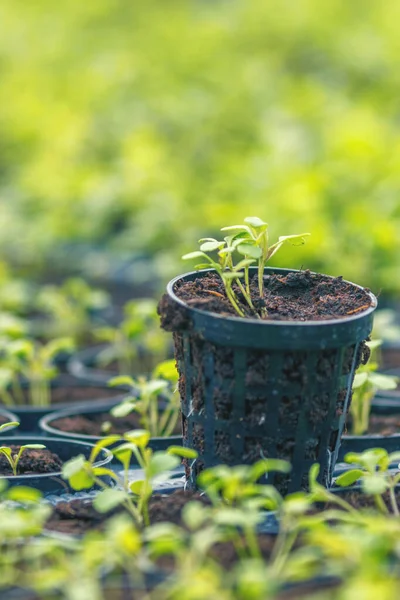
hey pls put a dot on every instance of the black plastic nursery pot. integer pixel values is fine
(7, 416)
(80, 392)
(53, 483)
(253, 389)
(360, 443)
(47, 426)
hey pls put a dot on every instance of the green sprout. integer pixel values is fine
(156, 400)
(12, 458)
(366, 383)
(251, 243)
(253, 236)
(137, 339)
(33, 362)
(372, 471)
(134, 496)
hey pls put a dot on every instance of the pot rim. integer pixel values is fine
(251, 321)
(15, 440)
(59, 414)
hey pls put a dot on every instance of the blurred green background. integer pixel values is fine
(139, 126)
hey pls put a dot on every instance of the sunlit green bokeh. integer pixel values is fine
(145, 124)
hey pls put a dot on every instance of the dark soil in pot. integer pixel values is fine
(273, 387)
(298, 296)
(80, 393)
(32, 462)
(93, 424)
(65, 391)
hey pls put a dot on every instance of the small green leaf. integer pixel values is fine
(161, 462)
(34, 446)
(10, 424)
(24, 494)
(194, 514)
(108, 499)
(383, 382)
(196, 254)
(121, 380)
(5, 450)
(102, 444)
(78, 472)
(374, 485)
(211, 246)
(137, 487)
(255, 222)
(123, 409)
(182, 452)
(349, 477)
(139, 437)
(359, 379)
(267, 465)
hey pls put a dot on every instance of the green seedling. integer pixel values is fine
(71, 307)
(34, 363)
(225, 268)
(12, 458)
(137, 339)
(134, 495)
(159, 418)
(372, 471)
(366, 383)
(235, 486)
(253, 236)
(251, 243)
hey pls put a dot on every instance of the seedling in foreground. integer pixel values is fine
(13, 459)
(372, 471)
(134, 496)
(366, 383)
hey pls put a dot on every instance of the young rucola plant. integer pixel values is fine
(366, 383)
(12, 457)
(134, 495)
(159, 418)
(32, 362)
(251, 242)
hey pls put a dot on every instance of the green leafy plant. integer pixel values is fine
(366, 383)
(12, 457)
(31, 362)
(253, 236)
(134, 495)
(251, 243)
(373, 473)
(156, 400)
(71, 307)
(234, 486)
(138, 341)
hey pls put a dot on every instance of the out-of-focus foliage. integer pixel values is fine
(144, 124)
